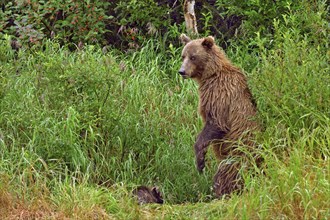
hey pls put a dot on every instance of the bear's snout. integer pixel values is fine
(182, 72)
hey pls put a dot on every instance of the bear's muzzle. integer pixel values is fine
(182, 72)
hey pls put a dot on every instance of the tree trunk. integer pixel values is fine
(189, 17)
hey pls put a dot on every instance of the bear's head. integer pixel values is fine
(197, 57)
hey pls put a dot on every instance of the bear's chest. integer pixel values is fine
(203, 110)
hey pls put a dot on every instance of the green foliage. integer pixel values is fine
(69, 21)
(124, 23)
(257, 15)
(127, 24)
(142, 20)
(141, 12)
(233, 21)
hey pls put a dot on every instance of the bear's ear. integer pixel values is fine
(184, 39)
(155, 191)
(208, 42)
(158, 196)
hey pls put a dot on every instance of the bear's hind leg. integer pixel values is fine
(228, 179)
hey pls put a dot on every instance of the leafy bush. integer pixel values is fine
(70, 21)
(128, 23)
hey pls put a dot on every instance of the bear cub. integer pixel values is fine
(146, 195)
(226, 107)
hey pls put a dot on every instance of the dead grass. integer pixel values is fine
(11, 207)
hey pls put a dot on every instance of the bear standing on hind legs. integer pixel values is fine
(226, 107)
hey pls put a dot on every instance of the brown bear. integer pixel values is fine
(146, 195)
(226, 107)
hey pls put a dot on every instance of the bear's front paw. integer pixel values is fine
(200, 162)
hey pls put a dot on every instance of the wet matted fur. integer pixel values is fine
(226, 106)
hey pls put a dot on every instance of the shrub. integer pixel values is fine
(72, 21)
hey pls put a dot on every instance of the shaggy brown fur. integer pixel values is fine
(145, 195)
(225, 105)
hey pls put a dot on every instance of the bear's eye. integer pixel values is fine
(192, 58)
(183, 57)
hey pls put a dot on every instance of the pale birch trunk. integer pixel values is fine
(189, 17)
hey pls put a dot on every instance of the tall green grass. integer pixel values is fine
(132, 119)
(79, 130)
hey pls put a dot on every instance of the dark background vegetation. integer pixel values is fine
(125, 24)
